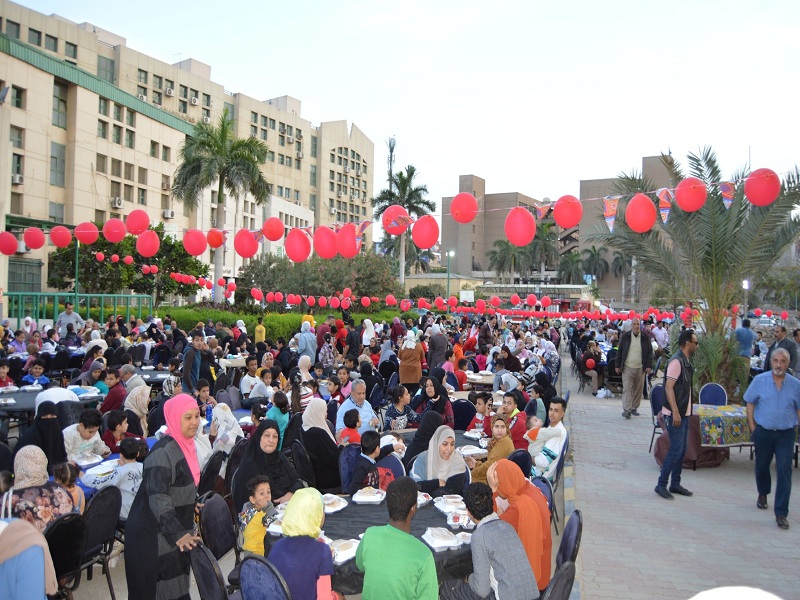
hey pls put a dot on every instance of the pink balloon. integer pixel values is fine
(691, 194)
(365, 301)
(425, 232)
(311, 301)
(390, 215)
(520, 226)
(346, 243)
(215, 238)
(531, 299)
(114, 230)
(86, 233)
(546, 301)
(273, 229)
(100, 257)
(195, 242)
(452, 301)
(153, 269)
(515, 299)
(278, 297)
(297, 245)
(464, 207)
(640, 214)
(270, 297)
(128, 260)
(115, 258)
(60, 236)
(231, 286)
(323, 301)
(146, 270)
(147, 244)
(568, 212)
(325, 242)
(335, 302)
(762, 187)
(391, 300)
(137, 222)
(347, 292)
(245, 244)
(34, 238)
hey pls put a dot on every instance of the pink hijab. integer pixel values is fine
(174, 410)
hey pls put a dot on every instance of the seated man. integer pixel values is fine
(357, 400)
(500, 568)
(411, 573)
(544, 463)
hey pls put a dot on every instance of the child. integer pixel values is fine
(6, 481)
(327, 355)
(461, 373)
(83, 437)
(173, 382)
(352, 421)
(537, 436)
(127, 475)
(483, 417)
(396, 441)
(249, 380)
(399, 415)
(36, 376)
(318, 370)
(5, 380)
(117, 430)
(263, 390)
(66, 474)
(344, 378)
(203, 396)
(256, 515)
(313, 385)
(33, 354)
(365, 473)
(482, 357)
(258, 412)
(335, 389)
(280, 414)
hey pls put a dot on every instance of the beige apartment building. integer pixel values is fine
(91, 129)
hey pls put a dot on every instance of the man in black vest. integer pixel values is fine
(676, 409)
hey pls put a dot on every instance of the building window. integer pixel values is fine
(182, 106)
(100, 163)
(313, 146)
(16, 137)
(51, 43)
(289, 161)
(102, 106)
(165, 153)
(207, 100)
(142, 176)
(142, 78)
(130, 118)
(105, 68)
(102, 129)
(313, 175)
(142, 196)
(34, 37)
(297, 195)
(264, 121)
(154, 149)
(272, 124)
(55, 212)
(116, 188)
(116, 168)
(17, 97)
(333, 157)
(297, 164)
(130, 138)
(118, 112)
(289, 130)
(330, 186)
(183, 91)
(270, 156)
(12, 29)
(16, 164)
(253, 131)
(16, 203)
(254, 117)
(231, 111)
(187, 209)
(157, 82)
(280, 190)
(141, 90)
(116, 134)
(128, 194)
(264, 134)
(206, 113)
(165, 185)
(99, 216)
(194, 93)
(164, 202)
(312, 202)
(157, 98)
(281, 140)
(281, 159)
(129, 171)
(71, 50)
(58, 164)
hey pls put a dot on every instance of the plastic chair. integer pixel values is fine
(376, 398)
(463, 413)
(208, 575)
(547, 371)
(333, 408)
(209, 474)
(544, 485)
(452, 380)
(347, 462)
(292, 433)
(219, 532)
(69, 411)
(656, 402)
(6, 458)
(566, 397)
(522, 459)
(117, 359)
(161, 355)
(557, 478)
(560, 586)
(66, 538)
(713, 394)
(101, 516)
(60, 364)
(387, 368)
(260, 579)
(302, 463)
(394, 379)
(234, 458)
(474, 365)
(394, 464)
(236, 397)
(223, 397)
(570, 540)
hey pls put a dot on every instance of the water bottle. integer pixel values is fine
(209, 413)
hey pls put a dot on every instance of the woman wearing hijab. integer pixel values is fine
(262, 457)
(411, 357)
(500, 446)
(160, 529)
(549, 391)
(430, 422)
(527, 513)
(386, 352)
(397, 331)
(46, 434)
(306, 342)
(551, 354)
(304, 366)
(321, 445)
(137, 403)
(367, 333)
(369, 376)
(91, 376)
(437, 346)
(440, 469)
(511, 362)
(432, 397)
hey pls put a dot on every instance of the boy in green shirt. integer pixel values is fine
(411, 574)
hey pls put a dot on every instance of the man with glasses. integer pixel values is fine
(676, 409)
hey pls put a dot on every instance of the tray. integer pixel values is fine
(344, 550)
(470, 450)
(440, 539)
(333, 503)
(423, 499)
(475, 434)
(448, 507)
(104, 468)
(364, 496)
(461, 519)
(276, 527)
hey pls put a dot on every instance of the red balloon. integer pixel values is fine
(464, 207)
(231, 286)
(390, 215)
(365, 302)
(346, 243)
(346, 303)
(425, 232)
(34, 238)
(347, 292)
(452, 301)
(209, 285)
(270, 297)
(640, 214)
(515, 299)
(137, 222)
(495, 301)
(546, 301)
(439, 302)
(194, 242)
(245, 244)
(146, 270)
(480, 306)
(590, 363)
(60, 236)
(405, 305)
(769, 313)
(128, 260)
(325, 242)
(691, 194)
(278, 296)
(297, 245)
(86, 233)
(227, 294)
(201, 281)
(784, 315)
(323, 301)
(762, 187)
(311, 301)
(100, 257)
(215, 238)
(114, 230)
(221, 282)
(153, 269)
(735, 308)
(186, 279)
(567, 212)
(256, 294)
(273, 229)
(115, 258)
(520, 226)
(335, 302)
(391, 300)
(147, 244)
(421, 302)
(531, 300)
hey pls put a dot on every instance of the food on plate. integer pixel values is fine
(452, 499)
(343, 545)
(368, 491)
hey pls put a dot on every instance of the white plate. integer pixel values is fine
(275, 528)
(474, 434)
(88, 460)
(440, 539)
(7, 401)
(448, 507)
(460, 519)
(470, 450)
(333, 503)
(485, 373)
(423, 499)
(245, 420)
(8, 389)
(31, 388)
(104, 468)
(344, 550)
(369, 497)
(464, 537)
(148, 368)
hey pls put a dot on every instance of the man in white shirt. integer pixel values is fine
(661, 336)
(546, 461)
(249, 380)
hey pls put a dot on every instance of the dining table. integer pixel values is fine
(481, 381)
(722, 426)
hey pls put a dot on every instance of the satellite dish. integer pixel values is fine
(546, 200)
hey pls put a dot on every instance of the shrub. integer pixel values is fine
(428, 291)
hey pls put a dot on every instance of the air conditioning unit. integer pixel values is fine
(142, 97)
(298, 203)
(332, 210)
(299, 136)
(363, 201)
(341, 194)
(347, 169)
(358, 173)
(299, 155)
(289, 139)
(116, 202)
(17, 179)
(206, 120)
(195, 101)
(22, 248)
(168, 213)
(283, 129)
(169, 92)
(164, 185)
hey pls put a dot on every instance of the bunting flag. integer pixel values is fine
(664, 203)
(727, 189)
(361, 227)
(610, 210)
(542, 210)
(400, 220)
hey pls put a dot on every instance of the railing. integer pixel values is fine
(47, 305)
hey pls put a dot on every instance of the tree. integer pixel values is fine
(213, 154)
(621, 266)
(404, 191)
(505, 257)
(415, 259)
(594, 263)
(570, 269)
(429, 291)
(543, 249)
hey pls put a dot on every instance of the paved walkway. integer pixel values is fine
(637, 545)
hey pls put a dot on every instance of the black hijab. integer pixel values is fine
(46, 433)
(549, 391)
(431, 421)
(511, 362)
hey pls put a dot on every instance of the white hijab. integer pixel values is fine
(437, 467)
(410, 341)
(314, 416)
(368, 334)
(240, 325)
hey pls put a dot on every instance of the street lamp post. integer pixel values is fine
(450, 253)
(745, 287)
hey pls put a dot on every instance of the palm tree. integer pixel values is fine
(505, 257)
(415, 259)
(404, 191)
(594, 263)
(543, 249)
(570, 269)
(621, 266)
(214, 154)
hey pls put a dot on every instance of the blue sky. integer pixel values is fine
(533, 96)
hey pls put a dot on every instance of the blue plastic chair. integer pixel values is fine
(546, 488)
(656, 402)
(347, 463)
(522, 459)
(394, 464)
(713, 394)
(463, 413)
(260, 579)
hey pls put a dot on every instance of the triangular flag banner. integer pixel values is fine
(727, 189)
(258, 234)
(401, 220)
(541, 210)
(664, 203)
(360, 229)
(610, 211)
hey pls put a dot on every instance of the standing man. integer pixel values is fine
(782, 341)
(677, 408)
(260, 333)
(746, 338)
(661, 336)
(192, 357)
(323, 329)
(796, 365)
(486, 332)
(66, 317)
(634, 361)
(773, 410)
